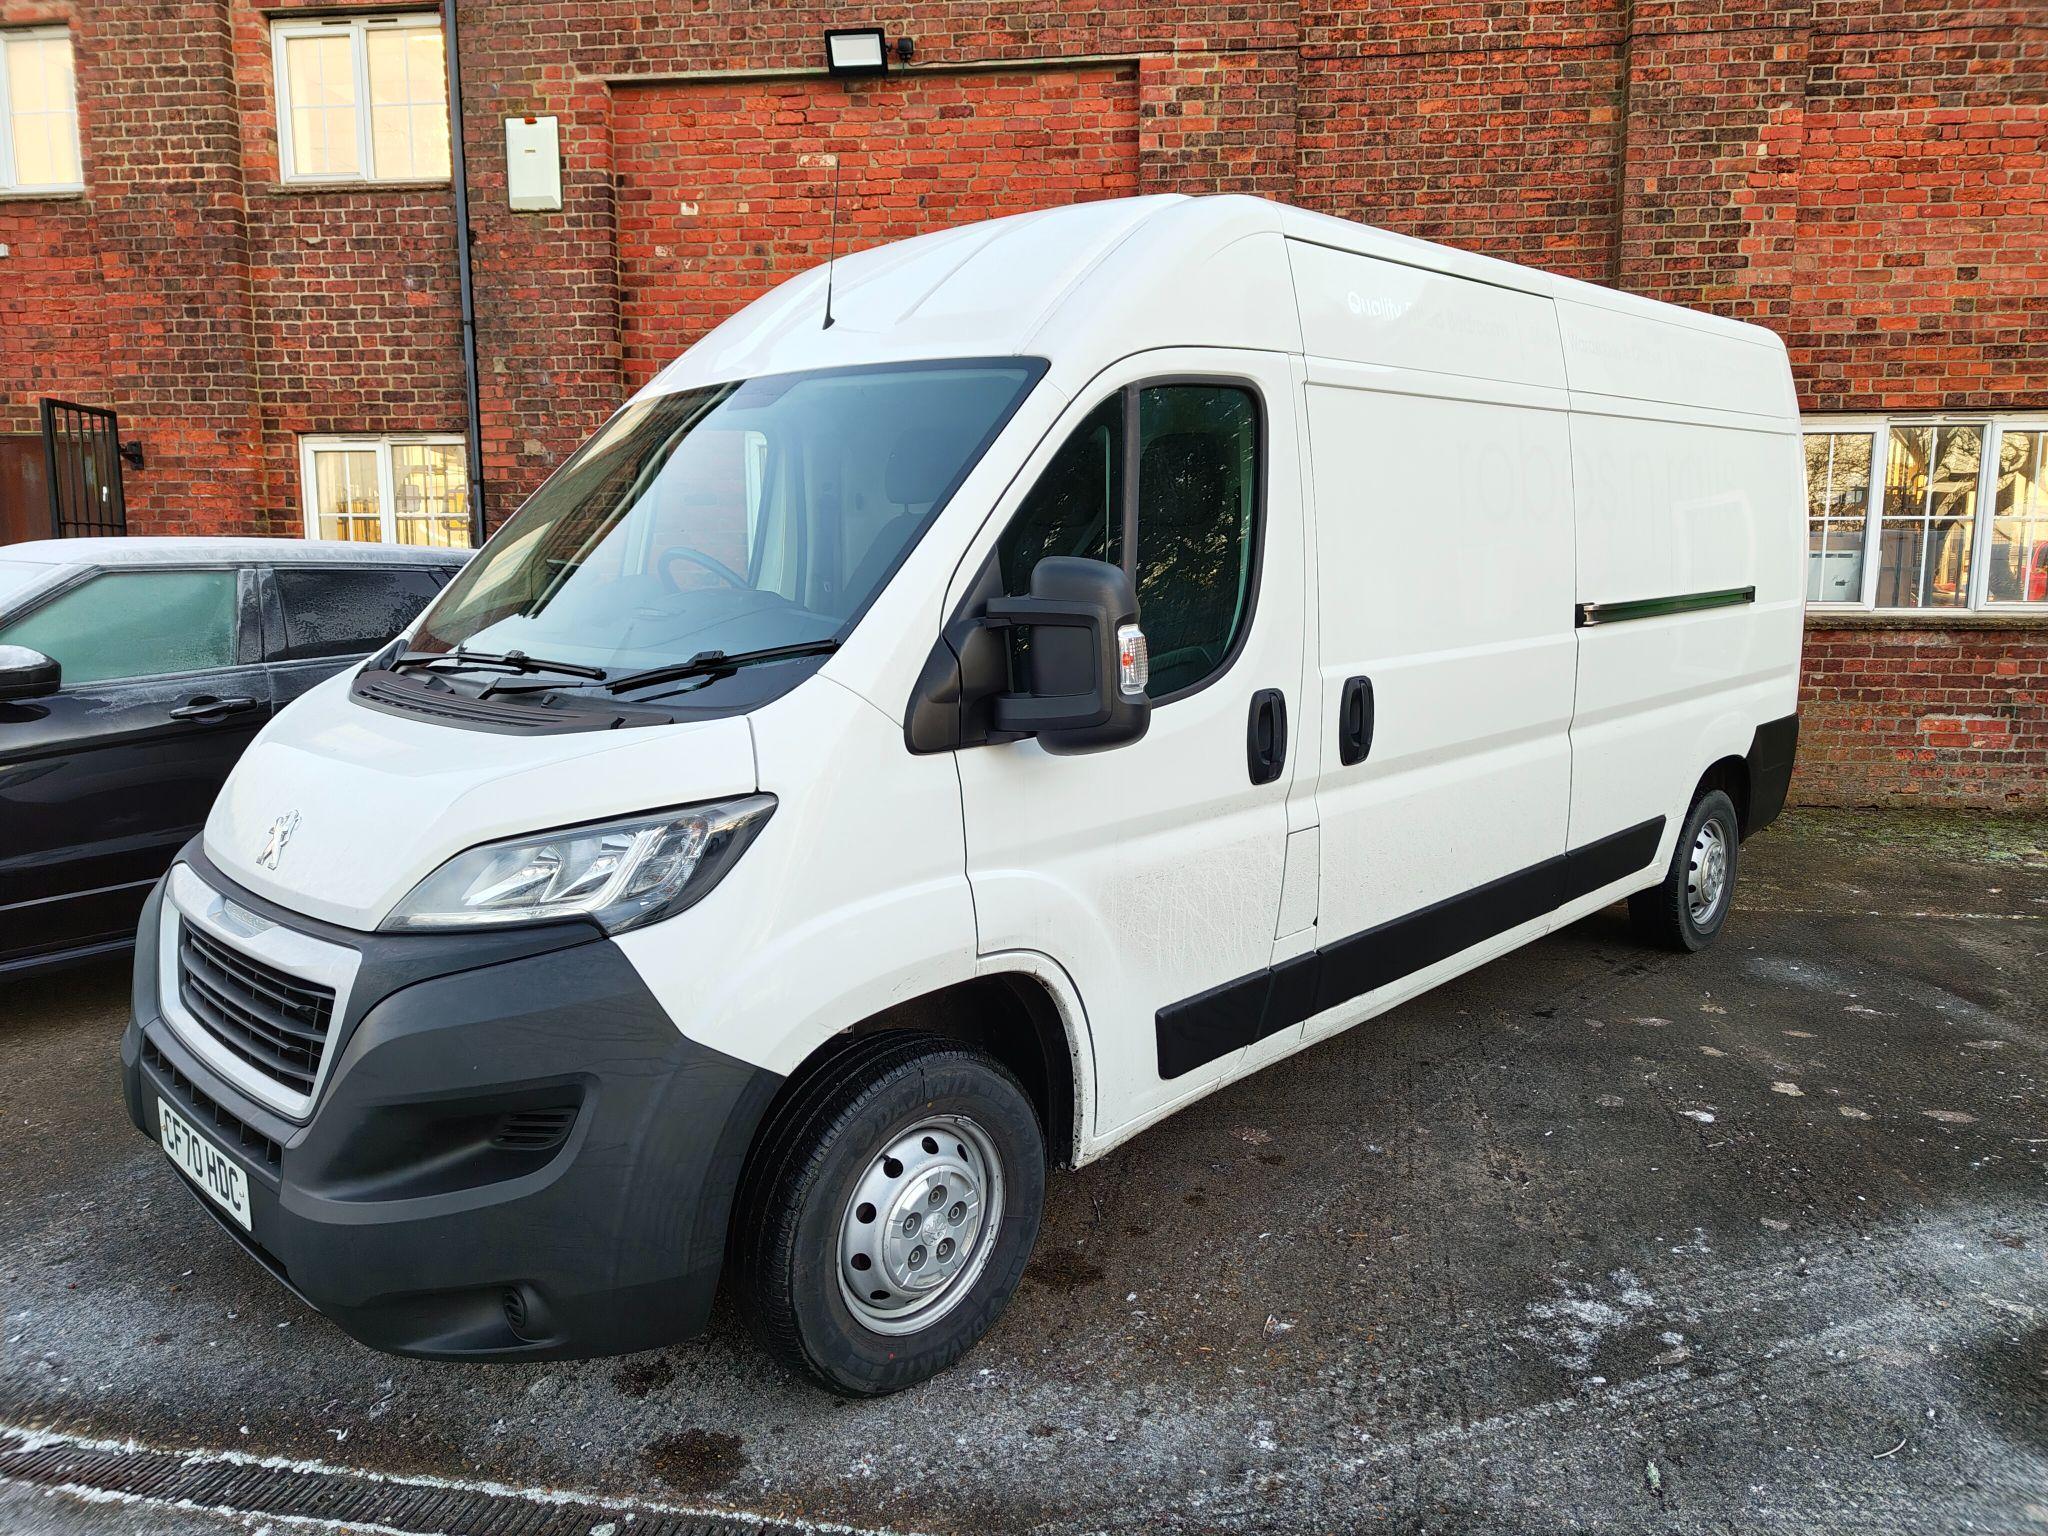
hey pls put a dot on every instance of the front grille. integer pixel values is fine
(202, 1107)
(275, 1023)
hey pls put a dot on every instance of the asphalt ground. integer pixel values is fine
(1593, 1239)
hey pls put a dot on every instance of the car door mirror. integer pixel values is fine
(27, 674)
(1087, 661)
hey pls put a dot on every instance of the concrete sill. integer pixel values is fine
(35, 195)
(1925, 618)
(305, 188)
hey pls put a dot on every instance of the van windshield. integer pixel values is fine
(734, 517)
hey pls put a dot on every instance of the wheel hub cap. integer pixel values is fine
(918, 1230)
(1706, 879)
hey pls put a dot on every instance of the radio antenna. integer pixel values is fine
(832, 250)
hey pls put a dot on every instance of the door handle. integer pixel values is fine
(1355, 721)
(206, 707)
(1266, 736)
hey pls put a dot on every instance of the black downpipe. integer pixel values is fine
(458, 164)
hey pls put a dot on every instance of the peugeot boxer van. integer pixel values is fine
(926, 740)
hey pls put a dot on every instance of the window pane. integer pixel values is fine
(1197, 496)
(135, 624)
(408, 103)
(1837, 501)
(1930, 508)
(43, 113)
(2019, 520)
(1076, 508)
(859, 463)
(347, 613)
(323, 97)
(430, 484)
(345, 494)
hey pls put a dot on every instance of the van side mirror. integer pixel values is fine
(1088, 662)
(26, 673)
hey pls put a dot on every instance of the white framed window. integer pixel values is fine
(361, 98)
(38, 112)
(1943, 512)
(386, 490)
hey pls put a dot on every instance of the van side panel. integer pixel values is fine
(1629, 348)
(1685, 505)
(852, 898)
(1382, 313)
(1445, 577)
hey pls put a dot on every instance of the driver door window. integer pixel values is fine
(125, 624)
(1192, 503)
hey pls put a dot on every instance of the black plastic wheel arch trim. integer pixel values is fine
(1197, 1030)
(1772, 751)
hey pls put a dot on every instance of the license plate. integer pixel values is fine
(218, 1176)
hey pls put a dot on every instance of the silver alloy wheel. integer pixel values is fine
(1706, 875)
(920, 1225)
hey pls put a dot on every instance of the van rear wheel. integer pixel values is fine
(1687, 910)
(888, 1212)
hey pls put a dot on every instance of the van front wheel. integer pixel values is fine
(1686, 912)
(888, 1212)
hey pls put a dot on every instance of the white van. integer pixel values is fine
(1118, 647)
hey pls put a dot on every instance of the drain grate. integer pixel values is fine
(232, 1483)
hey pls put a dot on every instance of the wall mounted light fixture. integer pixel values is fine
(863, 51)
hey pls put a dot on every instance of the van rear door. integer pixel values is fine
(1438, 429)
(1152, 872)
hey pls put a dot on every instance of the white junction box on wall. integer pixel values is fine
(533, 164)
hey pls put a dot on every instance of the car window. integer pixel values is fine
(1198, 450)
(1197, 491)
(135, 624)
(739, 516)
(334, 612)
(1076, 508)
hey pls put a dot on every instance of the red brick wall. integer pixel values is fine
(1919, 275)
(1491, 127)
(725, 191)
(353, 290)
(1897, 712)
(1870, 177)
(148, 272)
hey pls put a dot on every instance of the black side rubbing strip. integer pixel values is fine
(1610, 858)
(1210, 1024)
(1367, 961)
(1226, 1018)
(1585, 615)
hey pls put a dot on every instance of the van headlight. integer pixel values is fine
(619, 873)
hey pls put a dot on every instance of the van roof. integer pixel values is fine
(1088, 282)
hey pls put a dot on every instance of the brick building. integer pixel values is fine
(234, 225)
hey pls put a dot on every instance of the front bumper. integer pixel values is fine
(423, 1205)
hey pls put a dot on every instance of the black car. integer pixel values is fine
(132, 674)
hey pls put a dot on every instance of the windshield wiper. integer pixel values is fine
(708, 663)
(510, 661)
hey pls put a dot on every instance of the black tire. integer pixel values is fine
(1664, 915)
(818, 1147)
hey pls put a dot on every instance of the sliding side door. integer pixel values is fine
(1442, 478)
